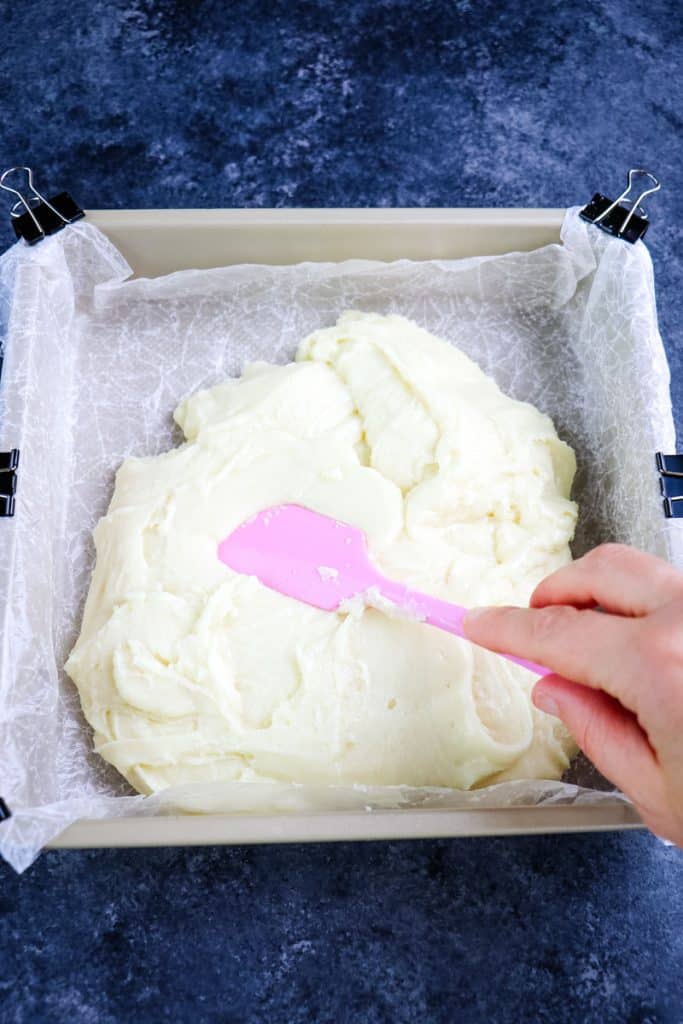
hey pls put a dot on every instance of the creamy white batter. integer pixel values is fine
(189, 672)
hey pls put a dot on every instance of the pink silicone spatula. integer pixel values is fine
(323, 562)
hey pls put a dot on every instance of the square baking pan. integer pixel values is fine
(158, 242)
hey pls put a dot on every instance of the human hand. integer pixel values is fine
(610, 626)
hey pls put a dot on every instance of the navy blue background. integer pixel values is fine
(270, 103)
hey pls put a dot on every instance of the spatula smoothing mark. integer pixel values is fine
(287, 546)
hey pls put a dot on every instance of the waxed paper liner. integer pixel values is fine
(95, 363)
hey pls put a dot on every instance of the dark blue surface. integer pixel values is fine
(386, 103)
(501, 931)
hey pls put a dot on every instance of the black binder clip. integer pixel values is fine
(670, 468)
(9, 461)
(34, 217)
(622, 217)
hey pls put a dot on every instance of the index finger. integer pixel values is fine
(618, 578)
(586, 646)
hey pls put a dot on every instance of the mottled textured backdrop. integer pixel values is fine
(275, 103)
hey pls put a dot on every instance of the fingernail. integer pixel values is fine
(545, 701)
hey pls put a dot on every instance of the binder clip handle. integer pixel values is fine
(635, 204)
(22, 201)
(607, 214)
(40, 216)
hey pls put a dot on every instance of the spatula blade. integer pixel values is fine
(302, 554)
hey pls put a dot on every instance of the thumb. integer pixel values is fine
(609, 735)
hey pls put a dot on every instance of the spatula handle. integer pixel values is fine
(443, 615)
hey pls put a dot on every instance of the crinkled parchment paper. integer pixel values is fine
(96, 363)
